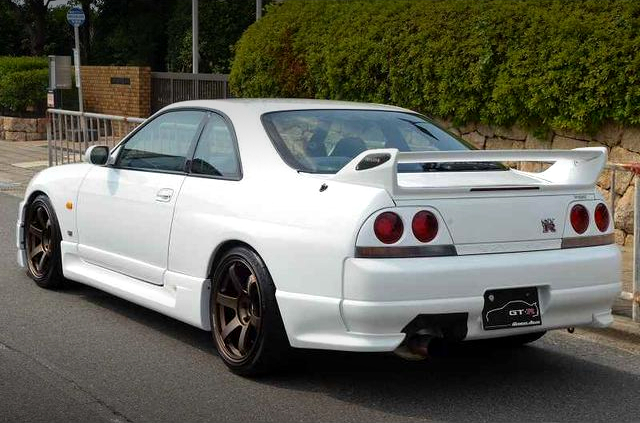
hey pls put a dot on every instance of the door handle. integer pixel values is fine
(164, 195)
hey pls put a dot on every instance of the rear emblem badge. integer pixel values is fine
(548, 225)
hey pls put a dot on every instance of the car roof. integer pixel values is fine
(259, 106)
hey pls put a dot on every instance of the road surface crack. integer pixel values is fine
(117, 415)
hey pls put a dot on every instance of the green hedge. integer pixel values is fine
(23, 85)
(570, 64)
(9, 64)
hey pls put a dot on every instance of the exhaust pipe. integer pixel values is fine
(415, 348)
(430, 335)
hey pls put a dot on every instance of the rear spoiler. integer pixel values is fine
(576, 169)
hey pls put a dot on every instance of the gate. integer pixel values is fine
(170, 87)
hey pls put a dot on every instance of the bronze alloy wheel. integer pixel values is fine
(39, 241)
(237, 311)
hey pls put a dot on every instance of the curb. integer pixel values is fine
(622, 324)
(622, 328)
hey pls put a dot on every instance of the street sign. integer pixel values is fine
(60, 72)
(51, 99)
(75, 16)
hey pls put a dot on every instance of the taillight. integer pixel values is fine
(601, 217)
(424, 226)
(579, 218)
(388, 227)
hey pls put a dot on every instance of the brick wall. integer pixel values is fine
(117, 90)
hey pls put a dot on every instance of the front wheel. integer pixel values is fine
(245, 321)
(42, 244)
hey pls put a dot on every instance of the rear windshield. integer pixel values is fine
(324, 141)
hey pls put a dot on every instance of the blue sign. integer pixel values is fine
(75, 16)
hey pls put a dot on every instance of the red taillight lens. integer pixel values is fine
(601, 217)
(425, 226)
(388, 227)
(579, 218)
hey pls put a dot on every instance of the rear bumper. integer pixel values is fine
(576, 287)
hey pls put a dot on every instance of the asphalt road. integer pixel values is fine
(83, 355)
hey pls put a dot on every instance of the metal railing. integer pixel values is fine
(70, 133)
(170, 87)
(634, 294)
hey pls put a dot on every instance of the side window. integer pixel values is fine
(163, 144)
(216, 153)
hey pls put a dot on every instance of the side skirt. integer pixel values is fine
(182, 297)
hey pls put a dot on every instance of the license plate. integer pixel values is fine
(511, 308)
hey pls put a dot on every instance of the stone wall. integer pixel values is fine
(117, 90)
(22, 129)
(623, 144)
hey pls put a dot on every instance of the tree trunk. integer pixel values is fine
(39, 32)
(34, 17)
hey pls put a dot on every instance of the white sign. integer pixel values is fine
(51, 99)
(75, 16)
(76, 63)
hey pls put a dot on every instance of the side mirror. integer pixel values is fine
(97, 155)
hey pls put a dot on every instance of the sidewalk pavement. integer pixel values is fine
(19, 161)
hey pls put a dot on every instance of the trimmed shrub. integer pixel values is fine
(23, 85)
(24, 92)
(222, 23)
(10, 64)
(562, 64)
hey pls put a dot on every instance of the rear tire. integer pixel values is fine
(42, 244)
(245, 320)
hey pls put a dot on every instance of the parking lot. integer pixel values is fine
(81, 354)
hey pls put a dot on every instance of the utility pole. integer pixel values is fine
(76, 60)
(194, 31)
(258, 9)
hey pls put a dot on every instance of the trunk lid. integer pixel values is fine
(490, 210)
(489, 219)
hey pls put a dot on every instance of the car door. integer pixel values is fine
(210, 201)
(125, 210)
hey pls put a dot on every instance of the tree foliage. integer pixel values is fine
(33, 27)
(538, 63)
(222, 23)
(128, 32)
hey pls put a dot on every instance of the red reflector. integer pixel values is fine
(388, 227)
(601, 217)
(424, 226)
(579, 218)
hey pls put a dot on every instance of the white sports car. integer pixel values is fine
(328, 225)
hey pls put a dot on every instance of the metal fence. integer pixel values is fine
(170, 87)
(634, 294)
(70, 133)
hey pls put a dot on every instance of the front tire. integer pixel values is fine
(42, 244)
(245, 320)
